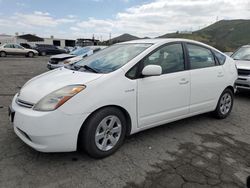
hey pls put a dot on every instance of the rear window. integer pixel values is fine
(220, 57)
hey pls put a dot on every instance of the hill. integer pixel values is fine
(123, 38)
(226, 35)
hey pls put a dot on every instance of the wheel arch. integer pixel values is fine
(123, 110)
(231, 88)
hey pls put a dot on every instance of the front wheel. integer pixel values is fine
(30, 54)
(103, 133)
(43, 53)
(3, 54)
(225, 104)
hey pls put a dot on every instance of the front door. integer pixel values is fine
(166, 97)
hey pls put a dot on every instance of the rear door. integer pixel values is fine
(9, 49)
(207, 78)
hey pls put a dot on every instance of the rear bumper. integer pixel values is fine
(243, 82)
(52, 131)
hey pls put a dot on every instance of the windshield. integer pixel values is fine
(242, 54)
(111, 58)
(79, 51)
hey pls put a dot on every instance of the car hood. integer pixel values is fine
(44, 84)
(75, 59)
(243, 64)
(61, 56)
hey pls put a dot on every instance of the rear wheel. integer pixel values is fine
(225, 104)
(3, 54)
(103, 133)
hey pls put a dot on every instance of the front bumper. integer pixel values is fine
(243, 82)
(53, 131)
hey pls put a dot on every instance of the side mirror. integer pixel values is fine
(152, 70)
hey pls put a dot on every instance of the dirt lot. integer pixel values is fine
(195, 152)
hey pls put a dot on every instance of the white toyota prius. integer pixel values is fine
(123, 89)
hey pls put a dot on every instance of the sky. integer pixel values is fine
(82, 18)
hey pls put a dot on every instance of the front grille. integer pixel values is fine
(24, 103)
(243, 72)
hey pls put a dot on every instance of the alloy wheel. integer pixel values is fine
(225, 103)
(108, 133)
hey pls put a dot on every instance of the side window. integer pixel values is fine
(132, 72)
(8, 46)
(221, 58)
(169, 57)
(200, 57)
(17, 46)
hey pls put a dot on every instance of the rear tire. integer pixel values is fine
(225, 104)
(103, 133)
(3, 54)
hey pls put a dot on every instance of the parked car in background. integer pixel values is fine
(26, 45)
(61, 60)
(228, 53)
(68, 49)
(16, 49)
(47, 49)
(126, 88)
(242, 59)
(93, 49)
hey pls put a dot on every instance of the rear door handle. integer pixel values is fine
(220, 74)
(183, 81)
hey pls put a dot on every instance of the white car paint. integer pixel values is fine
(243, 66)
(149, 101)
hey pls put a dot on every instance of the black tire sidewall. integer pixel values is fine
(4, 54)
(89, 129)
(218, 111)
(30, 55)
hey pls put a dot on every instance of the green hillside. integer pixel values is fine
(226, 35)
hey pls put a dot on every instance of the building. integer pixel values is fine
(33, 39)
(86, 42)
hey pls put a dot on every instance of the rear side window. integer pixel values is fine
(200, 57)
(220, 57)
(9, 46)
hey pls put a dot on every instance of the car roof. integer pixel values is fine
(166, 40)
(246, 46)
(160, 40)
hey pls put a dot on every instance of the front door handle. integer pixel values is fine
(183, 81)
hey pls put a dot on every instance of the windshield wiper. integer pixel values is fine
(86, 67)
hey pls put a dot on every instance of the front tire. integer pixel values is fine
(225, 104)
(103, 133)
(30, 54)
(43, 53)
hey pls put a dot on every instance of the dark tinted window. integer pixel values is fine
(9, 46)
(132, 72)
(200, 57)
(220, 57)
(169, 57)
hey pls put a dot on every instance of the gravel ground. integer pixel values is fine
(196, 152)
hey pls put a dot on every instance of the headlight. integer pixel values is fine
(66, 62)
(57, 98)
